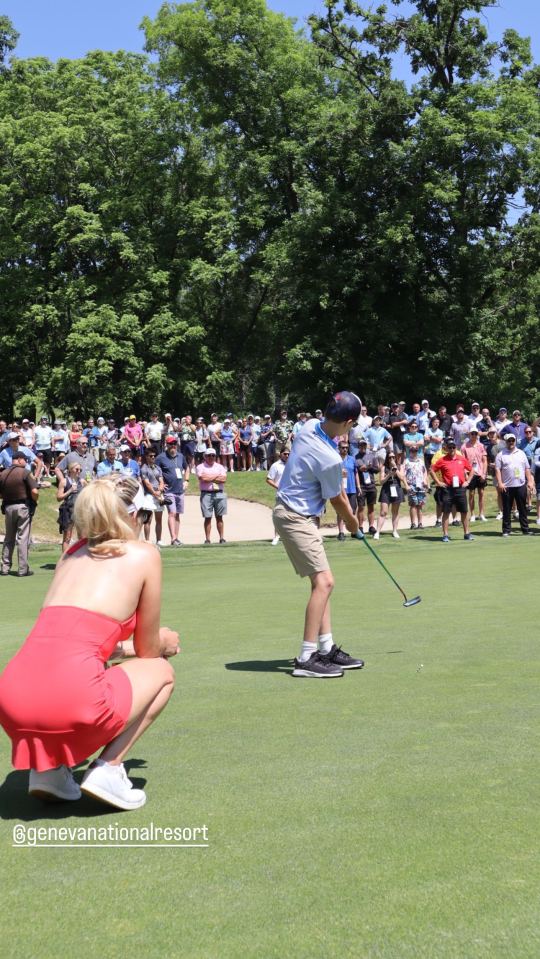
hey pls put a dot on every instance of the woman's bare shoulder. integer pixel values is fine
(142, 551)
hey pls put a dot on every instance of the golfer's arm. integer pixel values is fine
(344, 511)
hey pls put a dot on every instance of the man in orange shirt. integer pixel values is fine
(453, 482)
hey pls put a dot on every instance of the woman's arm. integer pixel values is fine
(149, 640)
(61, 493)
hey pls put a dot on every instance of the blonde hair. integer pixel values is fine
(101, 516)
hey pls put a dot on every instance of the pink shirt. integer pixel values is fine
(208, 475)
(477, 458)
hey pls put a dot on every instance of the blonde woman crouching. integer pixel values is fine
(58, 702)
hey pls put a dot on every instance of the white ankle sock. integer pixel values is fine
(306, 651)
(325, 643)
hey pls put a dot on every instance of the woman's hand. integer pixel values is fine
(170, 642)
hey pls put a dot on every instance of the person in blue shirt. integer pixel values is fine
(175, 472)
(517, 428)
(110, 464)
(350, 482)
(312, 475)
(12, 447)
(128, 466)
(378, 438)
(93, 435)
(413, 439)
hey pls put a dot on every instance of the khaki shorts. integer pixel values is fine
(302, 541)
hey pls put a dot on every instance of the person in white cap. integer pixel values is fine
(226, 444)
(475, 453)
(212, 477)
(513, 475)
(424, 416)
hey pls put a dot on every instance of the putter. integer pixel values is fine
(408, 602)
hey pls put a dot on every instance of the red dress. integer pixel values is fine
(58, 703)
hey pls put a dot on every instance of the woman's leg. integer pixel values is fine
(152, 682)
(146, 528)
(67, 538)
(159, 524)
(395, 514)
(382, 517)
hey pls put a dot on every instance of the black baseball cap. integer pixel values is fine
(343, 406)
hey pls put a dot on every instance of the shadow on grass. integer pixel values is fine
(48, 566)
(262, 666)
(15, 803)
(456, 535)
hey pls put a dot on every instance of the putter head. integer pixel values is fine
(359, 534)
(413, 602)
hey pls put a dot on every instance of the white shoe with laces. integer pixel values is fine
(483, 518)
(54, 784)
(473, 519)
(376, 535)
(110, 784)
(395, 534)
(498, 516)
(275, 541)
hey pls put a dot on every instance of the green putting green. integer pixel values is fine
(392, 813)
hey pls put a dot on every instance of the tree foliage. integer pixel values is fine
(254, 214)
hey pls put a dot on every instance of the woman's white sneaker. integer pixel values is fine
(376, 535)
(395, 534)
(54, 784)
(110, 784)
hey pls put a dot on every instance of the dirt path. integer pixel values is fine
(245, 521)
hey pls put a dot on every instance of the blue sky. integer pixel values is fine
(69, 28)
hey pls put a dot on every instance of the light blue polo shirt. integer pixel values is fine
(313, 471)
(105, 467)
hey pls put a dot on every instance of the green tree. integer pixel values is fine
(8, 39)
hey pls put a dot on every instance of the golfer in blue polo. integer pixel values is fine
(313, 474)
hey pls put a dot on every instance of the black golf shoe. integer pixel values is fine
(341, 659)
(317, 667)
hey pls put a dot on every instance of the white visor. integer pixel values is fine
(137, 503)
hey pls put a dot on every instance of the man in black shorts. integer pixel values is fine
(453, 482)
(398, 423)
(368, 465)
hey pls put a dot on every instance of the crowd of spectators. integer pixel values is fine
(392, 450)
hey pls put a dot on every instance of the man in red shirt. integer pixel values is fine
(453, 482)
